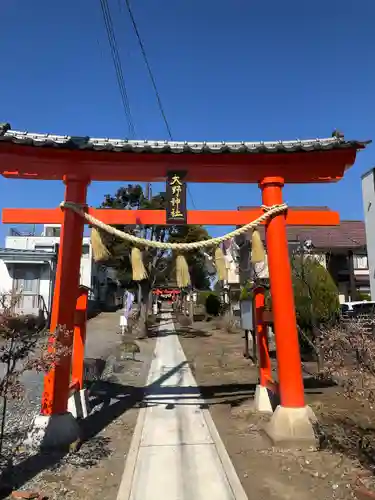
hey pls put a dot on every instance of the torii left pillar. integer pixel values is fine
(56, 426)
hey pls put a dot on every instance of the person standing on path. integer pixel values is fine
(128, 304)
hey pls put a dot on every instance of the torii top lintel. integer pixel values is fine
(51, 157)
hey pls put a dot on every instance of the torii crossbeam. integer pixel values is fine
(158, 217)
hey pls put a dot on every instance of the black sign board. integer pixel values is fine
(176, 198)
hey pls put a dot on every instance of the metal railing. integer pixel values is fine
(21, 305)
(16, 232)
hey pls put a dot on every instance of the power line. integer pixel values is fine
(120, 76)
(117, 64)
(191, 198)
(153, 81)
(152, 78)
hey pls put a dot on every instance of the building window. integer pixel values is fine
(53, 232)
(360, 262)
(85, 249)
(26, 278)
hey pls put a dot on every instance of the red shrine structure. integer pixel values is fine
(166, 293)
(76, 161)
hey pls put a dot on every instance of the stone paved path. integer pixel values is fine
(176, 452)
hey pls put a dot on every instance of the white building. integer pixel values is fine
(28, 266)
(368, 195)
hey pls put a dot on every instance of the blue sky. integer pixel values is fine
(226, 70)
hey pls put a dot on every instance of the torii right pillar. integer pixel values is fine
(292, 420)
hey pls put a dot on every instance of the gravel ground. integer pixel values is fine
(101, 338)
(102, 344)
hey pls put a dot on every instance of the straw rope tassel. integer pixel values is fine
(221, 268)
(257, 248)
(139, 271)
(99, 251)
(182, 272)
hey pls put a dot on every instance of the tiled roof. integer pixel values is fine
(349, 234)
(299, 208)
(337, 141)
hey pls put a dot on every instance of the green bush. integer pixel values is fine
(202, 297)
(213, 304)
(315, 292)
(246, 292)
(364, 296)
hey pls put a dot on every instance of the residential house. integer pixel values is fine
(341, 249)
(28, 267)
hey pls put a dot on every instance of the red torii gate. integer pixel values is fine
(79, 160)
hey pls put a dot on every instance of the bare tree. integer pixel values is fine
(349, 358)
(24, 347)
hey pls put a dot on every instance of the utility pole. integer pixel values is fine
(148, 191)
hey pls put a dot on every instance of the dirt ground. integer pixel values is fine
(227, 381)
(95, 470)
(342, 465)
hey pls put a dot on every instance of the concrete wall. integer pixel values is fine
(45, 284)
(86, 268)
(343, 289)
(6, 281)
(31, 242)
(368, 195)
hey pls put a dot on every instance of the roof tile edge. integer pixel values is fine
(336, 141)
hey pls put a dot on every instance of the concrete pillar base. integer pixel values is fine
(262, 401)
(78, 404)
(292, 427)
(55, 431)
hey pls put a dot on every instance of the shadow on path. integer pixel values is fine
(182, 331)
(115, 399)
(125, 397)
(188, 332)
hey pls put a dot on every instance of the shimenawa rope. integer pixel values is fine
(268, 213)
